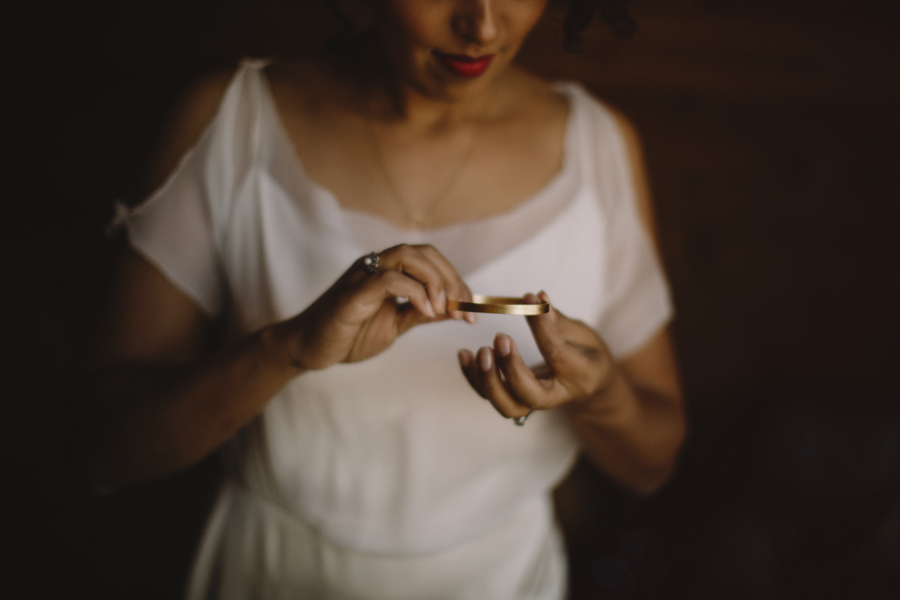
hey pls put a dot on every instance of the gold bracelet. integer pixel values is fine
(499, 305)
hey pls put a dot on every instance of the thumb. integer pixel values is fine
(408, 316)
(546, 331)
(570, 330)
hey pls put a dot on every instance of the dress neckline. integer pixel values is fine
(564, 174)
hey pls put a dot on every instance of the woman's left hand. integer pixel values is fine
(578, 368)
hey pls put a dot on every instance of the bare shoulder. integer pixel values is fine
(191, 115)
(626, 127)
(632, 140)
(303, 86)
(534, 98)
(637, 162)
(149, 319)
(532, 123)
(283, 77)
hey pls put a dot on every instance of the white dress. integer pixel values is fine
(391, 478)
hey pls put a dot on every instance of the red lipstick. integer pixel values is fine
(464, 66)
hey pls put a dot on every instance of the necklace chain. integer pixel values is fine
(431, 206)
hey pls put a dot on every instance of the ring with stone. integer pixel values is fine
(370, 263)
(520, 420)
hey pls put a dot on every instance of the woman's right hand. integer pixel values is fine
(360, 315)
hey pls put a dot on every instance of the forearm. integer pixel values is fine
(633, 435)
(147, 421)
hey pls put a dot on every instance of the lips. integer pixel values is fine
(464, 66)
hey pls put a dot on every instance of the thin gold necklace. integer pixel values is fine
(422, 221)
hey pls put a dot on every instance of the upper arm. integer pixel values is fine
(652, 367)
(190, 116)
(640, 180)
(148, 318)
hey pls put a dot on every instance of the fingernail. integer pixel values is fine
(442, 302)
(429, 309)
(471, 317)
(463, 357)
(530, 298)
(501, 343)
(544, 296)
(485, 359)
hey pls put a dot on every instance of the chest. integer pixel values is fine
(426, 179)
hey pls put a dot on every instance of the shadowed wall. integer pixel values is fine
(770, 130)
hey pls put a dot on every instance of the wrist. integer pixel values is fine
(612, 404)
(279, 344)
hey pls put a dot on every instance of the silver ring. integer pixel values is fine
(370, 263)
(521, 420)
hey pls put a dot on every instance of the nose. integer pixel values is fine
(476, 21)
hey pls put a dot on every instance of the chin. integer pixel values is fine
(437, 84)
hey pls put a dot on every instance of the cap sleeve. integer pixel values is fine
(181, 227)
(637, 302)
(173, 230)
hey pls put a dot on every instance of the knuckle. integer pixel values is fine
(452, 291)
(458, 288)
(536, 401)
(583, 389)
(397, 254)
(583, 385)
(389, 277)
(555, 353)
(398, 282)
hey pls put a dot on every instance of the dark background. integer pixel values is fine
(771, 133)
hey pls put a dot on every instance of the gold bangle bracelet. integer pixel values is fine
(499, 305)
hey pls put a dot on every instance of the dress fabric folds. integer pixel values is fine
(391, 478)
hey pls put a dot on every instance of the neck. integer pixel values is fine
(384, 96)
(424, 113)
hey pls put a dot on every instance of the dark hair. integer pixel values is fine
(579, 16)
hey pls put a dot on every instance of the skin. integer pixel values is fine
(161, 400)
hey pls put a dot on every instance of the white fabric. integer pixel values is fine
(394, 462)
(261, 539)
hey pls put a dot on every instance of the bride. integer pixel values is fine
(335, 214)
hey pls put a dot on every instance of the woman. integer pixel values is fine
(362, 465)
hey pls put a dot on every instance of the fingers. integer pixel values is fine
(455, 287)
(361, 313)
(376, 287)
(494, 388)
(521, 382)
(575, 353)
(575, 356)
(429, 269)
(500, 375)
(555, 335)
(409, 261)
(469, 366)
